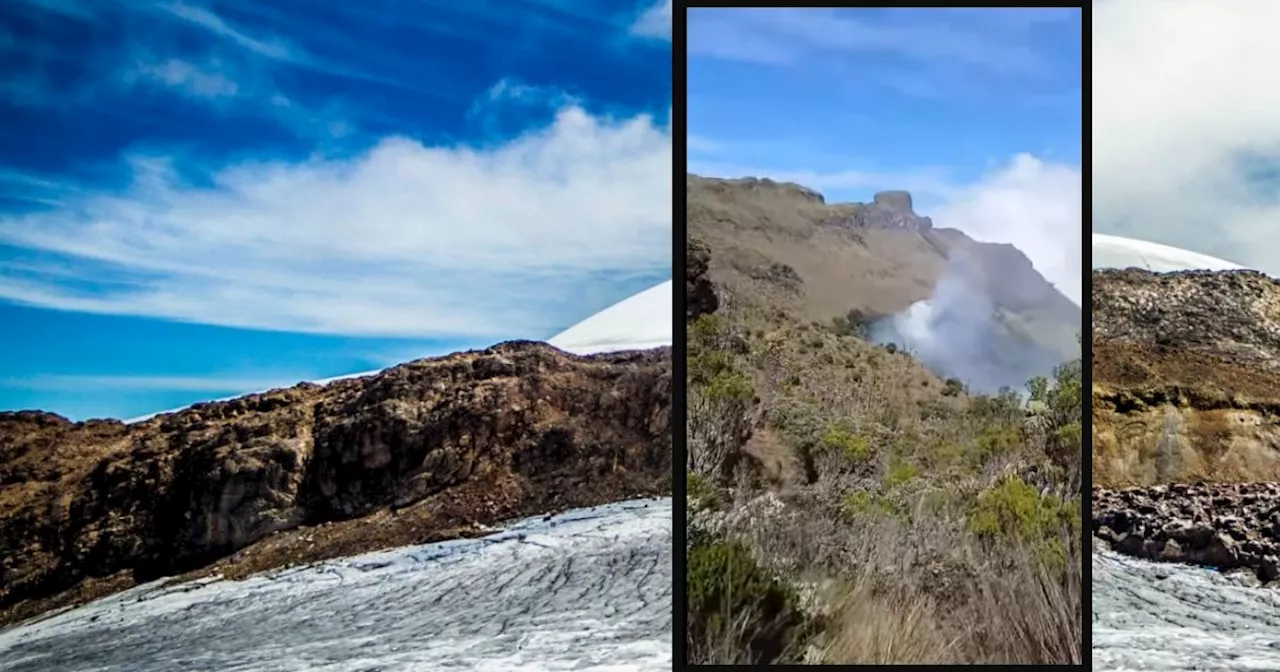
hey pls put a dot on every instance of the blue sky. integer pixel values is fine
(976, 111)
(204, 199)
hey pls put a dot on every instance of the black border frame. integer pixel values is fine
(679, 249)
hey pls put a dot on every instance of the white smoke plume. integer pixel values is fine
(958, 332)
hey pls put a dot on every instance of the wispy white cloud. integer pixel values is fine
(929, 51)
(1032, 204)
(405, 239)
(72, 383)
(272, 47)
(189, 78)
(697, 143)
(654, 22)
(1186, 132)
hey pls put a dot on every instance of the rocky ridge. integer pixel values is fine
(783, 247)
(1186, 417)
(1226, 526)
(425, 451)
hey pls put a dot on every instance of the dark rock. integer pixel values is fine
(700, 294)
(479, 437)
(1226, 526)
(897, 200)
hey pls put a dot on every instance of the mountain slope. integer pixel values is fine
(850, 501)
(781, 247)
(424, 451)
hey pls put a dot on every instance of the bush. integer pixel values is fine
(952, 387)
(855, 323)
(736, 611)
(862, 503)
(900, 472)
(730, 385)
(997, 439)
(1014, 510)
(701, 494)
(839, 438)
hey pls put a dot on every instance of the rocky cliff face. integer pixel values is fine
(1186, 372)
(420, 452)
(1186, 411)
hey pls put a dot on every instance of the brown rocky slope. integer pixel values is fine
(781, 246)
(1186, 377)
(1186, 416)
(424, 451)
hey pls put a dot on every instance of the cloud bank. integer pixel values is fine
(655, 22)
(1033, 205)
(404, 239)
(1186, 129)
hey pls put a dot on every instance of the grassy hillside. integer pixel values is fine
(846, 504)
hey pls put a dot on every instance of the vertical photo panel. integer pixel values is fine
(883, 380)
(1185, 315)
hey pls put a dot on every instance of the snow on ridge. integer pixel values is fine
(639, 322)
(1119, 252)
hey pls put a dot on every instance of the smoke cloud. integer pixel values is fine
(960, 332)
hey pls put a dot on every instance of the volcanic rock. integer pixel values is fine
(700, 294)
(1226, 526)
(420, 452)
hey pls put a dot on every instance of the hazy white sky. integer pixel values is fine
(1186, 125)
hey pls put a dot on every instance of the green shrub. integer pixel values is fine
(997, 439)
(732, 601)
(706, 330)
(901, 471)
(1015, 510)
(701, 494)
(730, 385)
(947, 453)
(861, 503)
(840, 438)
(855, 323)
(705, 364)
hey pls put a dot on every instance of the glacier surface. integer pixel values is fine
(588, 589)
(1159, 617)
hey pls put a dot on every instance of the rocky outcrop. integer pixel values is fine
(1228, 526)
(1186, 414)
(419, 452)
(700, 293)
(1186, 373)
(1231, 315)
(890, 210)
